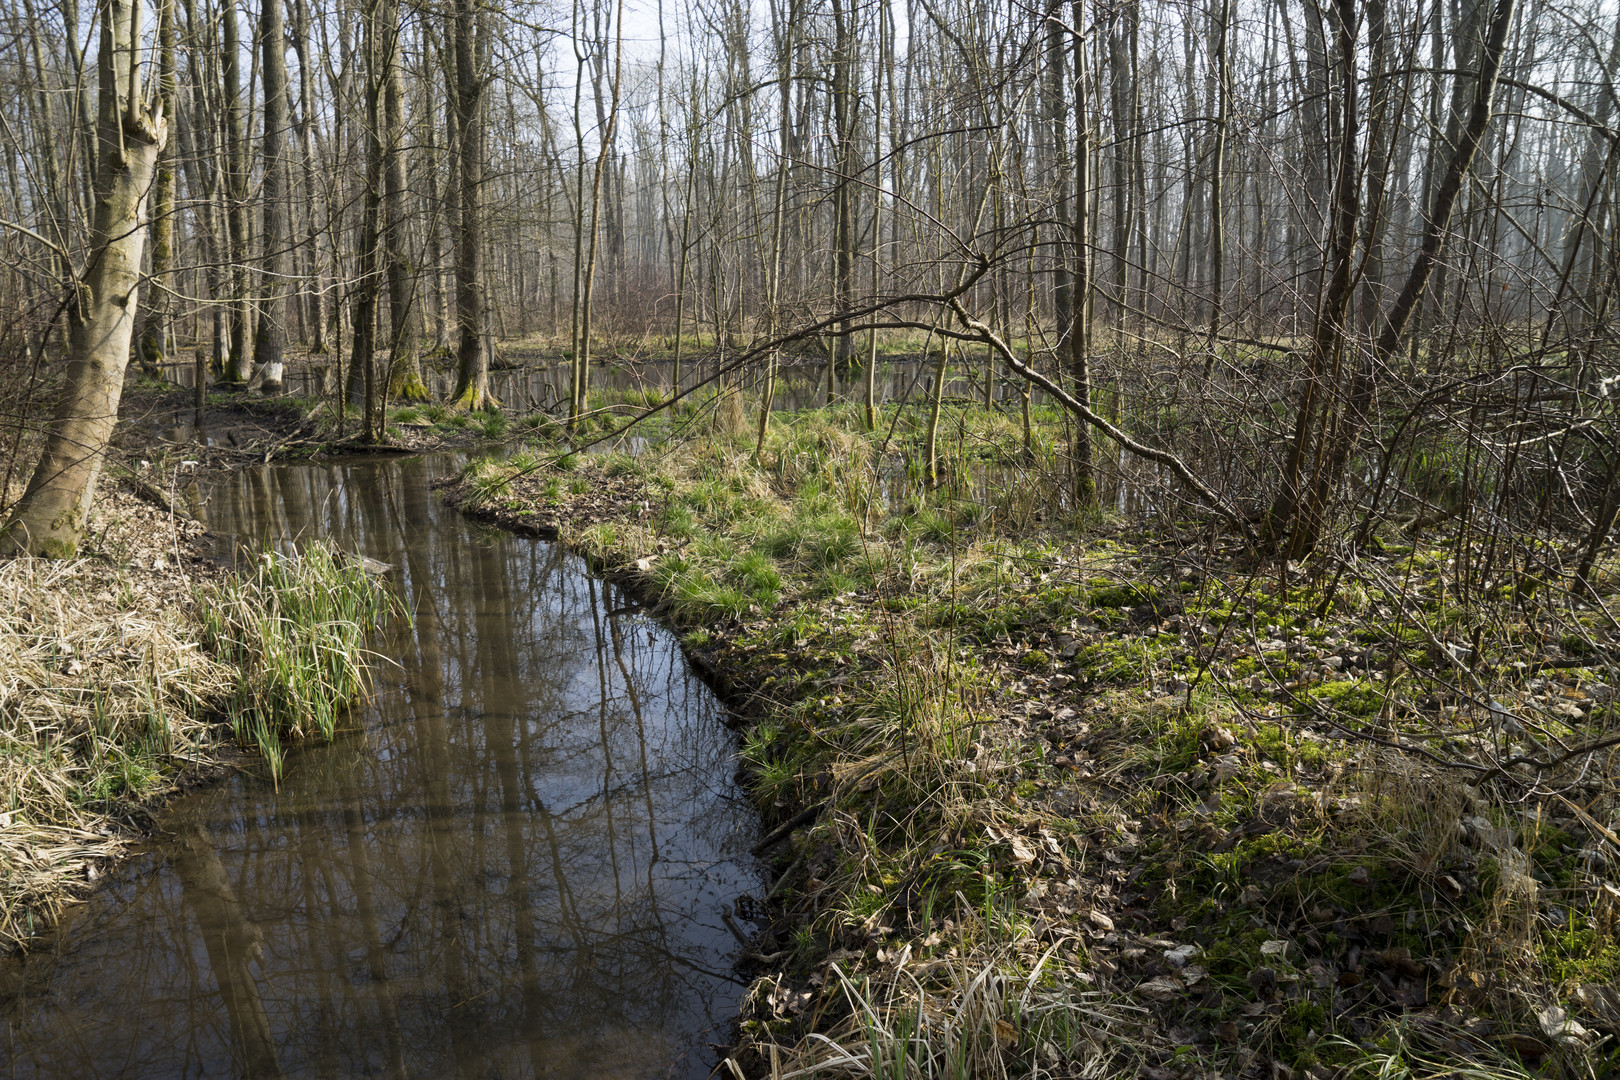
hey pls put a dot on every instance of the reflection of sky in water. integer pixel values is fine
(517, 866)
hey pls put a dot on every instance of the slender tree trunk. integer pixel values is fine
(382, 29)
(1084, 479)
(404, 364)
(315, 279)
(1055, 110)
(472, 353)
(773, 285)
(236, 196)
(271, 342)
(154, 338)
(1217, 178)
(1436, 228)
(844, 106)
(1328, 343)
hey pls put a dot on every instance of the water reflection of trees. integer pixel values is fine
(516, 868)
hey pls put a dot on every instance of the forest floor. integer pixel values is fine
(134, 671)
(158, 423)
(1056, 798)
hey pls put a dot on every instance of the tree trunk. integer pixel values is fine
(271, 342)
(404, 364)
(844, 105)
(382, 30)
(236, 194)
(1084, 479)
(154, 340)
(50, 518)
(472, 371)
(315, 279)
(1217, 177)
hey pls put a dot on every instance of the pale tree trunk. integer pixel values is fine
(50, 518)
(271, 342)
(844, 106)
(582, 355)
(200, 161)
(773, 284)
(878, 71)
(1054, 112)
(154, 340)
(236, 193)
(404, 366)
(315, 278)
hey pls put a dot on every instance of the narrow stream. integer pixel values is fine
(515, 865)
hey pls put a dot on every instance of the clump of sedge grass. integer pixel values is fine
(295, 627)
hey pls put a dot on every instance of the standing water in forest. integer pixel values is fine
(515, 862)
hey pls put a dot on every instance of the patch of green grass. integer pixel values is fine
(677, 522)
(541, 425)
(1354, 697)
(755, 571)
(1108, 594)
(1277, 743)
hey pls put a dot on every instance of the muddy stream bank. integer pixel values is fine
(516, 861)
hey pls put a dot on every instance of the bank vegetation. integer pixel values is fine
(1049, 791)
(144, 667)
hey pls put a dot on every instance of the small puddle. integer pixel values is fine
(514, 865)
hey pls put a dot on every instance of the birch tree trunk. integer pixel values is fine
(49, 519)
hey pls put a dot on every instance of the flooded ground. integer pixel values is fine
(516, 864)
(541, 384)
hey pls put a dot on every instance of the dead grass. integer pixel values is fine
(104, 696)
(118, 670)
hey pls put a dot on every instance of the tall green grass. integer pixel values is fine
(294, 628)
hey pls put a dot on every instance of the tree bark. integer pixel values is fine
(236, 194)
(49, 520)
(154, 339)
(1083, 478)
(472, 371)
(405, 321)
(271, 342)
(382, 28)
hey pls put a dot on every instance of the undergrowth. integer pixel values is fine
(1029, 770)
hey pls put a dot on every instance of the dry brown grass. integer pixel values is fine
(102, 690)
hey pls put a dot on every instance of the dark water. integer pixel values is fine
(515, 866)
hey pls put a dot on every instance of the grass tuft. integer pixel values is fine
(295, 629)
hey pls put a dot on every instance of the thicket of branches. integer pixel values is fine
(1316, 265)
